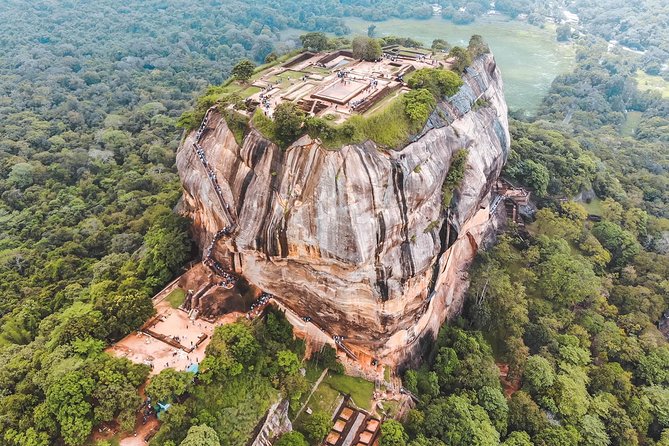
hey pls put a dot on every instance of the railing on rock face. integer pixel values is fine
(228, 280)
(199, 151)
(338, 341)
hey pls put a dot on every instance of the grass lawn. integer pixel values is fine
(386, 373)
(360, 390)
(594, 207)
(313, 372)
(646, 82)
(382, 104)
(324, 399)
(631, 123)
(249, 91)
(176, 297)
(391, 408)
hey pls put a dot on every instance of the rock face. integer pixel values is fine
(357, 238)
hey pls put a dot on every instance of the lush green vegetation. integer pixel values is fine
(92, 95)
(390, 127)
(248, 367)
(455, 175)
(176, 297)
(572, 311)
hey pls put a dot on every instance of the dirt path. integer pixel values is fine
(313, 389)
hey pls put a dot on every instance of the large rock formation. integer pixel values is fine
(356, 238)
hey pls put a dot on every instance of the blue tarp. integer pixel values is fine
(193, 368)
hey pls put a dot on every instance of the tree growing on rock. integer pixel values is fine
(243, 70)
(477, 46)
(288, 119)
(461, 59)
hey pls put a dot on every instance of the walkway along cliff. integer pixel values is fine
(355, 239)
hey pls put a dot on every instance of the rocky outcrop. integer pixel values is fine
(274, 424)
(356, 238)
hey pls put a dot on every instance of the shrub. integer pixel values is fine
(438, 81)
(455, 174)
(418, 104)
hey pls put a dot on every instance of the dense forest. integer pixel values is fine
(91, 96)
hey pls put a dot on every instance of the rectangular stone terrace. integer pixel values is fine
(336, 84)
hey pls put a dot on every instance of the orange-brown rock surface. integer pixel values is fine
(356, 238)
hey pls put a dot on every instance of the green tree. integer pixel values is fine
(477, 46)
(532, 174)
(366, 48)
(418, 104)
(201, 435)
(421, 440)
(567, 280)
(571, 397)
(494, 403)
(539, 375)
(243, 70)
(557, 436)
(610, 377)
(317, 426)
(620, 243)
(293, 438)
(593, 431)
(288, 119)
(441, 83)
(314, 41)
(68, 400)
(165, 249)
(392, 434)
(518, 438)
(458, 422)
(30, 437)
(653, 367)
(168, 385)
(80, 321)
(456, 172)
(460, 59)
(125, 312)
(525, 414)
(288, 362)
(440, 45)
(563, 32)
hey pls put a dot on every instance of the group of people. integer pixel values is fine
(203, 125)
(228, 280)
(147, 410)
(258, 305)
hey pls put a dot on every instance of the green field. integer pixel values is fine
(176, 297)
(529, 57)
(594, 207)
(359, 389)
(631, 123)
(646, 82)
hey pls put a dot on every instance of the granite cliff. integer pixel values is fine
(356, 238)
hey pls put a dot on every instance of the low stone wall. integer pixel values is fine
(275, 423)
